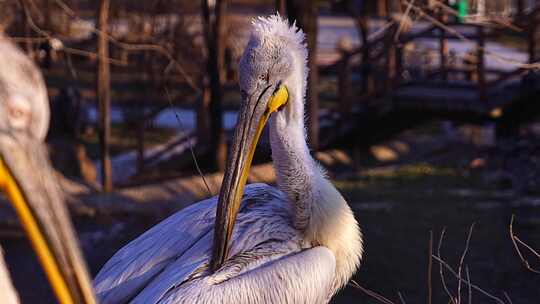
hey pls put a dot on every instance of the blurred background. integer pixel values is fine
(424, 113)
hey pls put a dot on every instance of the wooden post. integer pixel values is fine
(382, 8)
(46, 63)
(390, 62)
(480, 68)
(305, 13)
(443, 47)
(215, 30)
(27, 31)
(280, 7)
(531, 36)
(140, 145)
(203, 109)
(368, 84)
(344, 81)
(399, 63)
(520, 8)
(104, 93)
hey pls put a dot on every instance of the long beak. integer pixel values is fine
(252, 118)
(27, 180)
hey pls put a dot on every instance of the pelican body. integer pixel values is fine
(28, 181)
(297, 243)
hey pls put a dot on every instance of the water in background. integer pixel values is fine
(167, 118)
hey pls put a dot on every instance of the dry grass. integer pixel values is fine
(461, 276)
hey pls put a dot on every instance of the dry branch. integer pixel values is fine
(401, 298)
(430, 268)
(473, 286)
(507, 297)
(371, 293)
(469, 283)
(190, 145)
(463, 259)
(441, 272)
(123, 45)
(515, 240)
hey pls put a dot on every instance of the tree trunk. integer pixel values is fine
(27, 31)
(104, 93)
(215, 34)
(280, 7)
(305, 13)
(382, 8)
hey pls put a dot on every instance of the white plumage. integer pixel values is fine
(299, 243)
(8, 295)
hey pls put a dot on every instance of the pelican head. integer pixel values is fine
(272, 79)
(27, 179)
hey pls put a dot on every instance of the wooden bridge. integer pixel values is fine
(376, 80)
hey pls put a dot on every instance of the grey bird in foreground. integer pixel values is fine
(28, 181)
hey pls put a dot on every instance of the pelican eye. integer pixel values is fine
(18, 112)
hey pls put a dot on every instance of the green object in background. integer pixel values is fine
(463, 9)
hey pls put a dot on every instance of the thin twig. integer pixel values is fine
(126, 46)
(515, 241)
(508, 297)
(381, 30)
(527, 246)
(401, 298)
(469, 283)
(473, 286)
(463, 259)
(430, 267)
(137, 47)
(443, 281)
(402, 21)
(190, 145)
(371, 293)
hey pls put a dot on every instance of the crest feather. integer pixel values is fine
(276, 25)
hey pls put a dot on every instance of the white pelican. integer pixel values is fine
(29, 183)
(298, 243)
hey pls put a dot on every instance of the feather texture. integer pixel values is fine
(169, 263)
(296, 244)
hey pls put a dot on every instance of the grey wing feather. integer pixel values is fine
(165, 256)
(136, 264)
(305, 277)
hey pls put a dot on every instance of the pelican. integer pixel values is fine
(297, 243)
(28, 181)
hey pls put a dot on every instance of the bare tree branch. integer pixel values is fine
(126, 46)
(473, 286)
(401, 298)
(430, 268)
(371, 293)
(469, 283)
(507, 297)
(515, 241)
(443, 281)
(462, 259)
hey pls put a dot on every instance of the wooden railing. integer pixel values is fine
(384, 55)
